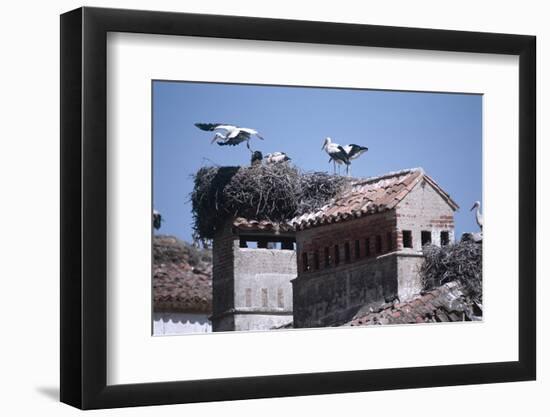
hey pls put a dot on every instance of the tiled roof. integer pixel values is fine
(182, 281)
(263, 225)
(443, 304)
(362, 197)
(367, 196)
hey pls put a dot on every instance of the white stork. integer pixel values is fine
(479, 216)
(232, 135)
(336, 152)
(354, 151)
(276, 157)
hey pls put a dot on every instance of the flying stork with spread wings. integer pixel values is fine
(228, 134)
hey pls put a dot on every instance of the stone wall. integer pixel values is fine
(263, 282)
(333, 296)
(261, 321)
(251, 287)
(343, 266)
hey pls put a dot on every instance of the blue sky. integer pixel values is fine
(440, 132)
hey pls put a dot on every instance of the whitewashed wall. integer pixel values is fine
(165, 324)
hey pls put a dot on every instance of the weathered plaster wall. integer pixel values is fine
(409, 282)
(264, 276)
(261, 321)
(252, 286)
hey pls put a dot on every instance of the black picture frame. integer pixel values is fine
(84, 207)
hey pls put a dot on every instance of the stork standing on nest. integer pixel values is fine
(231, 135)
(343, 154)
(479, 216)
(337, 153)
(354, 151)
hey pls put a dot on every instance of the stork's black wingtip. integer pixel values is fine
(204, 126)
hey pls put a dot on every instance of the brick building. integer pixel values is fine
(253, 265)
(366, 246)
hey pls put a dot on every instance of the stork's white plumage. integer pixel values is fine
(479, 216)
(276, 157)
(343, 155)
(336, 152)
(355, 151)
(232, 135)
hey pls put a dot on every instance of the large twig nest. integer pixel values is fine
(275, 192)
(460, 262)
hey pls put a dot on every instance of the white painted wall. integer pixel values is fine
(29, 156)
(166, 324)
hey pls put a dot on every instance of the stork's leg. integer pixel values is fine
(334, 164)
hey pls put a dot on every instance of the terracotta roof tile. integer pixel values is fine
(367, 196)
(180, 282)
(444, 304)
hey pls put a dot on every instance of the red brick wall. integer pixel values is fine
(368, 227)
(423, 209)
(223, 272)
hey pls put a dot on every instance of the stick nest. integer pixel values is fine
(276, 193)
(460, 262)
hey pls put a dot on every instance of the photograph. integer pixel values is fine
(293, 207)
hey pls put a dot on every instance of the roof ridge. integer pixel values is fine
(390, 174)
